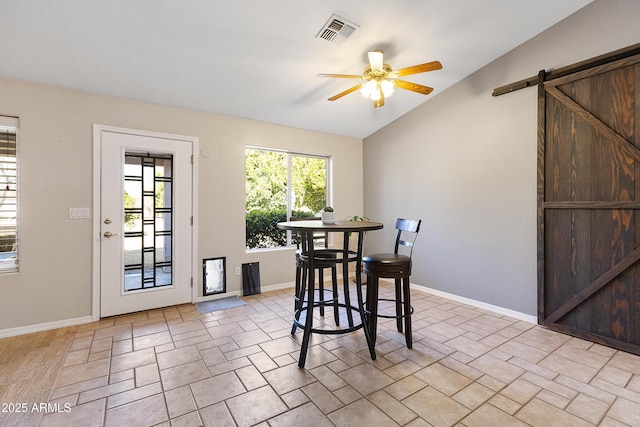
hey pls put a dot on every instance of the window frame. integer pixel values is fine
(290, 154)
(14, 122)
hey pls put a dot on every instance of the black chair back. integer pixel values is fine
(320, 239)
(408, 230)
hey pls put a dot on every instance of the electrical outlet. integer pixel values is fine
(238, 271)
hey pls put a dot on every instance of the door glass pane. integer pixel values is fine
(133, 279)
(163, 167)
(148, 236)
(163, 221)
(133, 251)
(163, 249)
(148, 174)
(163, 276)
(133, 166)
(147, 221)
(163, 193)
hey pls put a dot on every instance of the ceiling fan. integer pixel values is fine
(379, 79)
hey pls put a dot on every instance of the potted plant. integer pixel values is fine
(328, 215)
(356, 218)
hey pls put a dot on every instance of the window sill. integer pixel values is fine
(278, 249)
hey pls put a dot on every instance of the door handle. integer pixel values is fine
(109, 234)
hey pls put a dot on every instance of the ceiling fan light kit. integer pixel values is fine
(379, 79)
(375, 90)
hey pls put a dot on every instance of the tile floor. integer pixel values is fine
(177, 367)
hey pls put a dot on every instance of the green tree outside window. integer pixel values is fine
(267, 187)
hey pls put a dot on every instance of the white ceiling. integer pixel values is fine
(258, 59)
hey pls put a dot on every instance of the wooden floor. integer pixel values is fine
(238, 367)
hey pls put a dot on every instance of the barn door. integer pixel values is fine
(589, 204)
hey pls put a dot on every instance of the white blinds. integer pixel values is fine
(9, 121)
(8, 194)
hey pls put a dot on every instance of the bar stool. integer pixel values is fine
(392, 266)
(325, 258)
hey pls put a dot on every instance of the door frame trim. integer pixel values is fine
(97, 162)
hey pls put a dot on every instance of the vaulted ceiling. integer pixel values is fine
(259, 59)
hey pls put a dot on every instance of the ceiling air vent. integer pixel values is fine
(336, 30)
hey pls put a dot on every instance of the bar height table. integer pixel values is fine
(344, 256)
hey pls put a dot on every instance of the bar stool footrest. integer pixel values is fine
(326, 302)
(388, 316)
(300, 324)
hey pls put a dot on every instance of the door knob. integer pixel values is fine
(109, 234)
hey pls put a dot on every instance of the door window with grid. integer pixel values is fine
(148, 221)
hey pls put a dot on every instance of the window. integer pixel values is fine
(8, 194)
(148, 225)
(280, 185)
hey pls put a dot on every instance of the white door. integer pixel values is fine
(145, 222)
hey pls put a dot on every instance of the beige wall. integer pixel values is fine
(54, 282)
(465, 162)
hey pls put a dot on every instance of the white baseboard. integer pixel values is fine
(29, 329)
(278, 287)
(479, 304)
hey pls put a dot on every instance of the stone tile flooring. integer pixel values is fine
(238, 367)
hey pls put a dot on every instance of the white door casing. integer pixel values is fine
(110, 145)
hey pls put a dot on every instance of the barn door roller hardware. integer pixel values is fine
(560, 72)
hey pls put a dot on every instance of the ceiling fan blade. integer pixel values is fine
(422, 68)
(414, 87)
(346, 92)
(376, 60)
(340, 76)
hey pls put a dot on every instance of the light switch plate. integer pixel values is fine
(78, 213)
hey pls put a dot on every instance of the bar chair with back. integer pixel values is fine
(395, 266)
